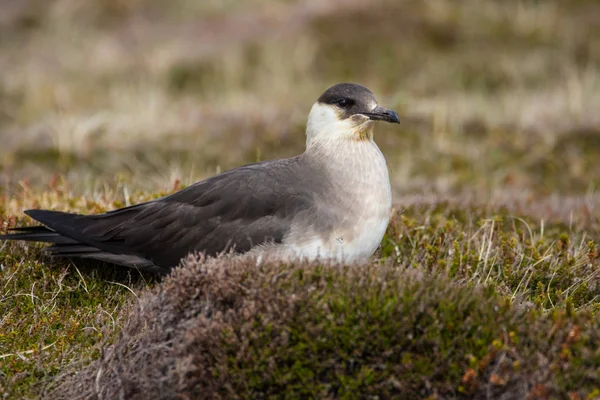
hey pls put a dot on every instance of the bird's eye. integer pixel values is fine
(343, 103)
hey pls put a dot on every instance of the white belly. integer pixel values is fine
(343, 245)
(366, 242)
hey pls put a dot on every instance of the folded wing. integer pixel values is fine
(235, 210)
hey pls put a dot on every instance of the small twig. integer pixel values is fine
(21, 353)
(126, 287)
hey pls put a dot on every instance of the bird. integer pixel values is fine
(331, 203)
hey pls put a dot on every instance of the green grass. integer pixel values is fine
(54, 312)
(494, 168)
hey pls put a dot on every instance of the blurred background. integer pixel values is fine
(496, 97)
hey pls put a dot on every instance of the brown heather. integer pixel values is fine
(229, 328)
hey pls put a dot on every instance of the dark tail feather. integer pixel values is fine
(37, 234)
(65, 232)
(53, 218)
(42, 233)
(71, 250)
(90, 252)
(30, 229)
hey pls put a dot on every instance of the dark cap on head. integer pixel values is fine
(353, 99)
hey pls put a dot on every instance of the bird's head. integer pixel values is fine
(346, 111)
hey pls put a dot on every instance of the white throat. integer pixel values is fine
(326, 126)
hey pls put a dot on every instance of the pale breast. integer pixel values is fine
(370, 214)
(350, 222)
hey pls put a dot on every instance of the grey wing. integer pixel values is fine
(235, 210)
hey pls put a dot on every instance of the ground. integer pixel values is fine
(494, 168)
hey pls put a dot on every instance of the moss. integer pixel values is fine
(235, 329)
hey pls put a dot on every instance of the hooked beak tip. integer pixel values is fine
(383, 114)
(394, 118)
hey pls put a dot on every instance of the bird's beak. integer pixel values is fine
(382, 114)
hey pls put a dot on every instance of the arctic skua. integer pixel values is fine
(331, 202)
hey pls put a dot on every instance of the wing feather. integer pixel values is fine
(235, 210)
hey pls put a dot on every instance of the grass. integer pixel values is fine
(495, 238)
(53, 312)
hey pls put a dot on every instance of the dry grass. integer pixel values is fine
(495, 167)
(513, 82)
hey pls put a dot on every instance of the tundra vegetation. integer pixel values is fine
(486, 284)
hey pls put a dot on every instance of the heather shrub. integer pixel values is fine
(229, 328)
